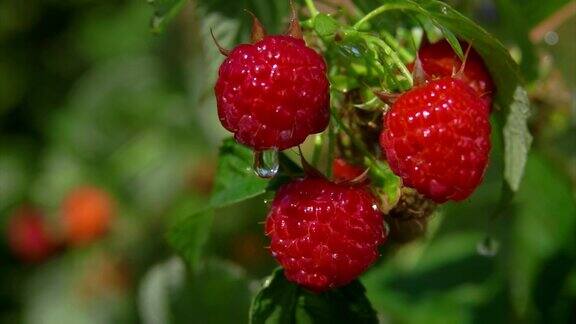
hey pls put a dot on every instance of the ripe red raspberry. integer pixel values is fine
(437, 138)
(439, 60)
(274, 93)
(28, 236)
(324, 234)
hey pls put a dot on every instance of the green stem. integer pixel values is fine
(390, 52)
(317, 150)
(311, 8)
(331, 144)
(396, 46)
(379, 11)
(357, 142)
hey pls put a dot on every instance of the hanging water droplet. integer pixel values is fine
(488, 247)
(444, 10)
(266, 163)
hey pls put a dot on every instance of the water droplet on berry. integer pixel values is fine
(266, 163)
(488, 247)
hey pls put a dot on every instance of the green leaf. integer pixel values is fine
(281, 301)
(544, 223)
(171, 294)
(325, 25)
(218, 293)
(384, 180)
(517, 139)
(235, 180)
(343, 83)
(164, 12)
(276, 302)
(453, 41)
(189, 232)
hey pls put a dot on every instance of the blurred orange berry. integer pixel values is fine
(86, 214)
(28, 237)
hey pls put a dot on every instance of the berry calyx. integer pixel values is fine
(28, 236)
(86, 214)
(324, 234)
(273, 93)
(439, 60)
(408, 219)
(436, 137)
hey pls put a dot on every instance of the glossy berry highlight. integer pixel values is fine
(324, 234)
(436, 137)
(274, 93)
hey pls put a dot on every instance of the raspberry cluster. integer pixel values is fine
(274, 92)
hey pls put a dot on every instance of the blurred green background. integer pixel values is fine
(90, 97)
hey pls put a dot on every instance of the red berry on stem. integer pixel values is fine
(324, 234)
(436, 137)
(274, 93)
(28, 236)
(439, 60)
